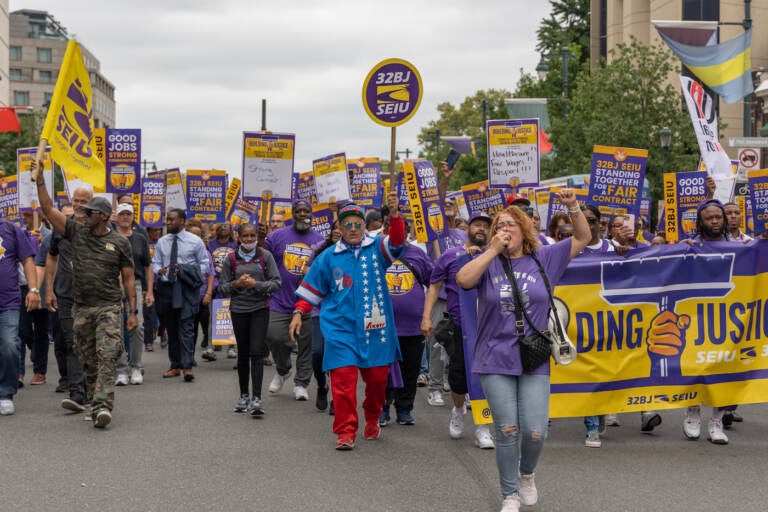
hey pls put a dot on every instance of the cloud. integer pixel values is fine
(192, 74)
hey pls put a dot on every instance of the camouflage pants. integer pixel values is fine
(98, 344)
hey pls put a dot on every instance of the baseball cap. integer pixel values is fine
(349, 210)
(124, 207)
(517, 199)
(101, 205)
(480, 216)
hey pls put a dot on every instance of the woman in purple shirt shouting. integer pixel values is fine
(519, 401)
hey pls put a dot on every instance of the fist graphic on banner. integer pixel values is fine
(666, 341)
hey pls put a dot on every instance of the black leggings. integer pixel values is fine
(251, 335)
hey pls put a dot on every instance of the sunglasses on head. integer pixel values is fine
(350, 224)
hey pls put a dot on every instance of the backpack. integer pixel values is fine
(259, 255)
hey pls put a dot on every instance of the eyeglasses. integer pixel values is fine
(502, 225)
(88, 212)
(349, 225)
(592, 221)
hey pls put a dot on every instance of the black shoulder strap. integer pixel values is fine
(519, 325)
(413, 271)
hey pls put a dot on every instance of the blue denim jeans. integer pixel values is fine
(520, 408)
(9, 353)
(591, 423)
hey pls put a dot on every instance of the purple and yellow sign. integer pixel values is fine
(365, 181)
(206, 192)
(152, 201)
(424, 198)
(402, 197)
(616, 180)
(123, 160)
(392, 92)
(268, 164)
(243, 212)
(554, 204)
(758, 193)
(479, 197)
(304, 187)
(9, 198)
(222, 332)
(322, 219)
(513, 153)
(683, 191)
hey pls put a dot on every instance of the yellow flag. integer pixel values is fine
(69, 123)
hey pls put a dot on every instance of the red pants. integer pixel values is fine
(344, 392)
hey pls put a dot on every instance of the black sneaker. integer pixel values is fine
(331, 410)
(257, 409)
(405, 418)
(242, 404)
(63, 387)
(727, 419)
(321, 402)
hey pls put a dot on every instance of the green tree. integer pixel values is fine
(467, 120)
(567, 25)
(625, 103)
(31, 125)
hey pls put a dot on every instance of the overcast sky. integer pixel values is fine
(191, 74)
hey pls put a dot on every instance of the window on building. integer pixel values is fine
(14, 74)
(15, 53)
(47, 97)
(44, 76)
(21, 98)
(701, 10)
(44, 55)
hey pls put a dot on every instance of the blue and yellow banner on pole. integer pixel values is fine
(152, 202)
(479, 197)
(758, 193)
(123, 160)
(69, 124)
(424, 199)
(683, 191)
(365, 181)
(206, 192)
(616, 180)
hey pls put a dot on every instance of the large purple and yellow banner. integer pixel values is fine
(616, 180)
(206, 191)
(513, 153)
(268, 164)
(669, 327)
(424, 199)
(683, 191)
(123, 160)
(758, 193)
(152, 202)
(365, 181)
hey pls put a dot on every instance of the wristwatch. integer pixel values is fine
(34, 290)
(135, 311)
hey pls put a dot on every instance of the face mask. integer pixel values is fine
(248, 247)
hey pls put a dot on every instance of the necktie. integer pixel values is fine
(174, 260)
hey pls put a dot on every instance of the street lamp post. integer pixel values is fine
(407, 154)
(542, 68)
(665, 139)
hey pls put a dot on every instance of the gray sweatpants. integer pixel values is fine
(280, 346)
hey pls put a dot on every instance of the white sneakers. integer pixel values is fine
(511, 504)
(6, 407)
(435, 398)
(612, 420)
(692, 423)
(593, 440)
(121, 380)
(136, 376)
(277, 382)
(527, 489)
(299, 393)
(483, 439)
(456, 426)
(716, 434)
(231, 353)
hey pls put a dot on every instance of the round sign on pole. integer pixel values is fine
(749, 158)
(392, 92)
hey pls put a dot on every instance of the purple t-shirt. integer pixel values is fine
(407, 291)
(446, 268)
(497, 350)
(292, 251)
(451, 239)
(15, 246)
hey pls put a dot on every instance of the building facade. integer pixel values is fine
(36, 48)
(4, 44)
(617, 21)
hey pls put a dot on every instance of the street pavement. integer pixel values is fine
(176, 446)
